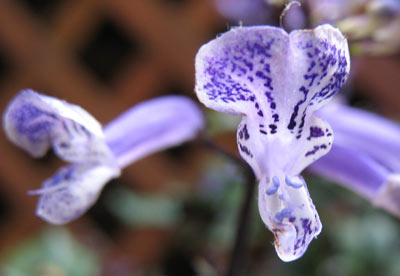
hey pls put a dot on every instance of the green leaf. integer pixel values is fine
(53, 252)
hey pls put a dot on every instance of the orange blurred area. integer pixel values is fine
(106, 56)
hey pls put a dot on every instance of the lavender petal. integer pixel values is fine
(366, 132)
(352, 169)
(152, 126)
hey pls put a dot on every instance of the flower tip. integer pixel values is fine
(284, 241)
(53, 218)
(72, 191)
(291, 244)
(388, 197)
(13, 120)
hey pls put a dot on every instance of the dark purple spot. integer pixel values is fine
(245, 150)
(315, 132)
(273, 128)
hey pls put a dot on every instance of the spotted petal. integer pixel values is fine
(36, 122)
(277, 81)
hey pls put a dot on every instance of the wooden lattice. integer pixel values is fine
(107, 55)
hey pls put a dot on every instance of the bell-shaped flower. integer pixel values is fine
(365, 156)
(276, 81)
(36, 122)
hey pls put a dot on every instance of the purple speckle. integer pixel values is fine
(245, 150)
(273, 128)
(295, 182)
(315, 132)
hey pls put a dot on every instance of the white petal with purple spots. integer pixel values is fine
(36, 122)
(276, 81)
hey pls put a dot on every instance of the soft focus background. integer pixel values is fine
(173, 213)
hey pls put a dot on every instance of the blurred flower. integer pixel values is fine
(372, 26)
(36, 122)
(276, 81)
(51, 252)
(365, 156)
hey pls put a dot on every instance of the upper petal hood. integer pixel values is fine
(37, 122)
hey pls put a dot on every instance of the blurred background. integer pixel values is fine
(175, 212)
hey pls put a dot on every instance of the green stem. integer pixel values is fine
(238, 253)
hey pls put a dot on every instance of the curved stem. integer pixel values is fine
(238, 253)
(237, 257)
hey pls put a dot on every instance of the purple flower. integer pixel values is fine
(36, 122)
(276, 81)
(365, 156)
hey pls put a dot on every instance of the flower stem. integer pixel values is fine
(237, 257)
(238, 253)
(211, 145)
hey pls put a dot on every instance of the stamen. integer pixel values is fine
(47, 190)
(275, 186)
(295, 182)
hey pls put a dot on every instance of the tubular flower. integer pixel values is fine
(276, 81)
(365, 155)
(35, 123)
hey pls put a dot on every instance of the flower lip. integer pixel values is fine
(290, 215)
